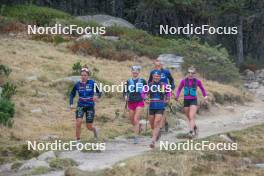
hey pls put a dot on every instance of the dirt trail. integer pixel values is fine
(216, 121)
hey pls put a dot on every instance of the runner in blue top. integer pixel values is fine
(167, 78)
(88, 94)
(159, 94)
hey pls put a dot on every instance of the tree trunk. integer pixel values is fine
(240, 52)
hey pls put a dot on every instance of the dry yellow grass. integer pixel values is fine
(48, 62)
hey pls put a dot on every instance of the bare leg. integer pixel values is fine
(192, 113)
(187, 114)
(131, 116)
(78, 128)
(151, 121)
(136, 119)
(90, 127)
(157, 122)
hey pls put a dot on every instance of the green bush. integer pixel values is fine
(76, 68)
(5, 70)
(7, 111)
(9, 89)
(33, 14)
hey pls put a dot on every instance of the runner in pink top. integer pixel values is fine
(190, 85)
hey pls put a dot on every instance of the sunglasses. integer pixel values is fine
(191, 73)
(135, 68)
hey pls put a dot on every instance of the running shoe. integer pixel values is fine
(152, 145)
(190, 134)
(195, 129)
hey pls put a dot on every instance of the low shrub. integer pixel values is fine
(7, 111)
(8, 90)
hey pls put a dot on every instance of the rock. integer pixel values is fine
(107, 20)
(226, 138)
(252, 114)
(32, 78)
(112, 38)
(246, 161)
(171, 60)
(36, 110)
(260, 93)
(6, 167)
(47, 156)
(260, 74)
(253, 85)
(260, 165)
(122, 164)
(230, 108)
(72, 79)
(249, 75)
(181, 124)
(33, 163)
(49, 137)
(85, 37)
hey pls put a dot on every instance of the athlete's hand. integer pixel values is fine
(95, 98)
(167, 100)
(126, 98)
(206, 99)
(177, 99)
(72, 107)
(147, 101)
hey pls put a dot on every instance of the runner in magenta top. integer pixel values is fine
(190, 85)
(191, 81)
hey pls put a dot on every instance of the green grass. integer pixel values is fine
(33, 14)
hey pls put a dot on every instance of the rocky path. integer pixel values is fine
(219, 120)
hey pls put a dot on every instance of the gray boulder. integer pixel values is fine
(33, 163)
(260, 74)
(260, 165)
(171, 60)
(49, 137)
(249, 75)
(253, 85)
(111, 38)
(72, 79)
(5, 167)
(85, 37)
(107, 20)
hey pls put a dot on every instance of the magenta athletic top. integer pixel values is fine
(189, 97)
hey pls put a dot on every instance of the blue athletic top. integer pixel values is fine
(86, 92)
